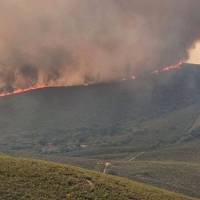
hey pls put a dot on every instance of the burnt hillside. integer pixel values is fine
(70, 116)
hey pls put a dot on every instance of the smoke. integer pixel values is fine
(69, 42)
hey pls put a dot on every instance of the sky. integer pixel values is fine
(195, 54)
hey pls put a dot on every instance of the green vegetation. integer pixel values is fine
(175, 168)
(31, 179)
(153, 119)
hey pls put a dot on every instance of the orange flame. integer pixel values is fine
(16, 91)
(124, 79)
(155, 72)
(178, 66)
(173, 67)
(133, 77)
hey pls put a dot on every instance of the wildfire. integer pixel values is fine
(16, 91)
(178, 66)
(133, 77)
(124, 79)
(173, 67)
(155, 72)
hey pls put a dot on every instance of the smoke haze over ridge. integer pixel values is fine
(69, 42)
(195, 54)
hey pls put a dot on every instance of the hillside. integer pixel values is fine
(31, 179)
(175, 168)
(135, 115)
(147, 128)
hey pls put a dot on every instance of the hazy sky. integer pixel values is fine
(195, 55)
(70, 42)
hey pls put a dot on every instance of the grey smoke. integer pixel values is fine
(69, 42)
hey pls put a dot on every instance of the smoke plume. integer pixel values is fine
(69, 42)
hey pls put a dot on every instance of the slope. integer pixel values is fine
(32, 179)
(127, 116)
(175, 168)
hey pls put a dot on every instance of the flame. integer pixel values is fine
(177, 66)
(16, 91)
(133, 77)
(124, 79)
(173, 67)
(155, 72)
(39, 86)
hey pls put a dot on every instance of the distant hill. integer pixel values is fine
(32, 179)
(124, 114)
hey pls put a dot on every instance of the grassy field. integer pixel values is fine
(179, 177)
(33, 179)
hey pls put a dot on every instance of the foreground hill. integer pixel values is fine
(175, 168)
(32, 179)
